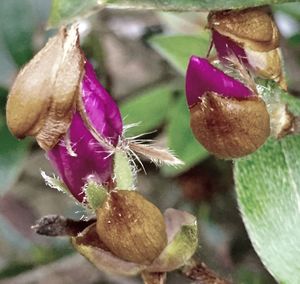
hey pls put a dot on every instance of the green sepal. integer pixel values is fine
(55, 182)
(95, 194)
(124, 172)
(182, 243)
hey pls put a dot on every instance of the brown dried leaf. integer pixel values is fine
(155, 154)
(131, 227)
(253, 27)
(55, 225)
(43, 96)
(228, 127)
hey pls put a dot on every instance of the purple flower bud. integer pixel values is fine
(264, 64)
(227, 118)
(202, 77)
(92, 159)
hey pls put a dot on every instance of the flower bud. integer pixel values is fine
(91, 160)
(227, 118)
(43, 96)
(253, 37)
(251, 28)
(131, 227)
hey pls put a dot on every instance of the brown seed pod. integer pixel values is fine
(252, 28)
(43, 96)
(229, 127)
(131, 227)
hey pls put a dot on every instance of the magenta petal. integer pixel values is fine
(203, 77)
(92, 159)
(226, 47)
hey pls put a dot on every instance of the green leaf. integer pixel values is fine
(17, 25)
(12, 156)
(66, 11)
(292, 9)
(19, 20)
(181, 139)
(8, 67)
(268, 191)
(149, 109)
(177, 49)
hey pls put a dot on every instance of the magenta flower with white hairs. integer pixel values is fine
(227, 117)
(90, 159)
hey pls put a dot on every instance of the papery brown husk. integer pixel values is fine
(252, 28)
(229, 127)
(90, 246)
(267, 65)
(131, 227)
(43, 96)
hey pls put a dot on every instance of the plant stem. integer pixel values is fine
(202, 274)
(154, 278)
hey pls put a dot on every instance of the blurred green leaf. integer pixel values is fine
(66, 11)
(181, 139)
(3, 94)
(177, 49)
(268, 191)
(292, 9)
(8, 67)
(246, 275)
(294, 40)
(16, 28)
(38, 256)
(149, 109)
(12, 155)
(19, 20)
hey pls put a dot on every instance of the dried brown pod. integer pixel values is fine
(44, 94)
(131, 227)
(267, 65)
(281, 119)
(230, 127)
(252, 28)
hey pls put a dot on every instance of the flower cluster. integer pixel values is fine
(228, 116)
(57, 99)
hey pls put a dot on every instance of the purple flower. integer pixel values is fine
(203, 77)
(92, 160)
(226, 117)
(226, 47)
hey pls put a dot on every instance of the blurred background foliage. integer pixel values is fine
(140, 57)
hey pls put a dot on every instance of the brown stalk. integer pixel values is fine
(199, 272)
